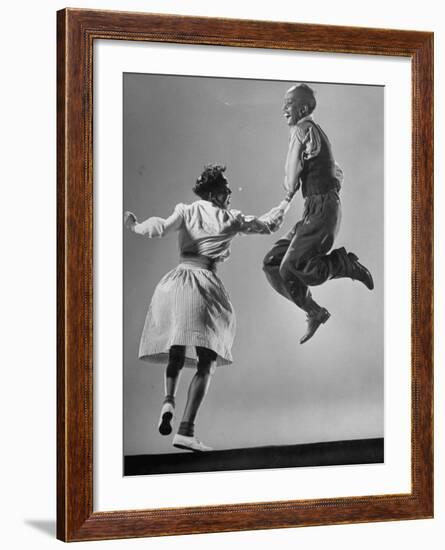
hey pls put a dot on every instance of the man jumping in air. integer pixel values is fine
(301, 258)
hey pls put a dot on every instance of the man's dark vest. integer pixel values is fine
(318, 175)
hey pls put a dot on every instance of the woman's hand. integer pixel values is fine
(276, 217)
(130, 220)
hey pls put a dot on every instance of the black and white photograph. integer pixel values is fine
(253, 274)
(223, 247)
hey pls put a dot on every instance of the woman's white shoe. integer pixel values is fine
(190, 443)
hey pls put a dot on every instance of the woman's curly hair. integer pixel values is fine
(211, 180)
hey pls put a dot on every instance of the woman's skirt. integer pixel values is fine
(190, 307)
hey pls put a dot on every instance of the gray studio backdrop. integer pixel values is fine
(277, 392)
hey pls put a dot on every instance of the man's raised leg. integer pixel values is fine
(271, 267)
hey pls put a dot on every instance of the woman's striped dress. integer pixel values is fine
(190, 306)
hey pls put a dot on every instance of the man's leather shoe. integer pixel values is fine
(358, 272)
(313, 322)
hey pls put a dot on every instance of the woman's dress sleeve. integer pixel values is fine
(159, 227)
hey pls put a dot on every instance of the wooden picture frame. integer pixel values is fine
(77, 31)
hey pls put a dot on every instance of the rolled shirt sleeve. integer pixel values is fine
(309, 137)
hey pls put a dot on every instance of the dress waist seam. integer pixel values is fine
(198, 262)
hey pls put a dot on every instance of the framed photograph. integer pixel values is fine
(245, 229)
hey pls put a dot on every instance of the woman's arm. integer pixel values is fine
(266, 224)
(154, 227)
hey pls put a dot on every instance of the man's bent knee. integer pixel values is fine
(267, 261)
(271, 262)
(288, 272)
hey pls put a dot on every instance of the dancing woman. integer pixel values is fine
(191, 320)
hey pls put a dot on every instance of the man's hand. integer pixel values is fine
(285, 203)
(276, 216)
(291, 194)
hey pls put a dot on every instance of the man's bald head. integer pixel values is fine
(299, 102)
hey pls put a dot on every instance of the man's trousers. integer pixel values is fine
(301, 258)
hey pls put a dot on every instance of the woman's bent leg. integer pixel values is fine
(176, 360)
(175, 363)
